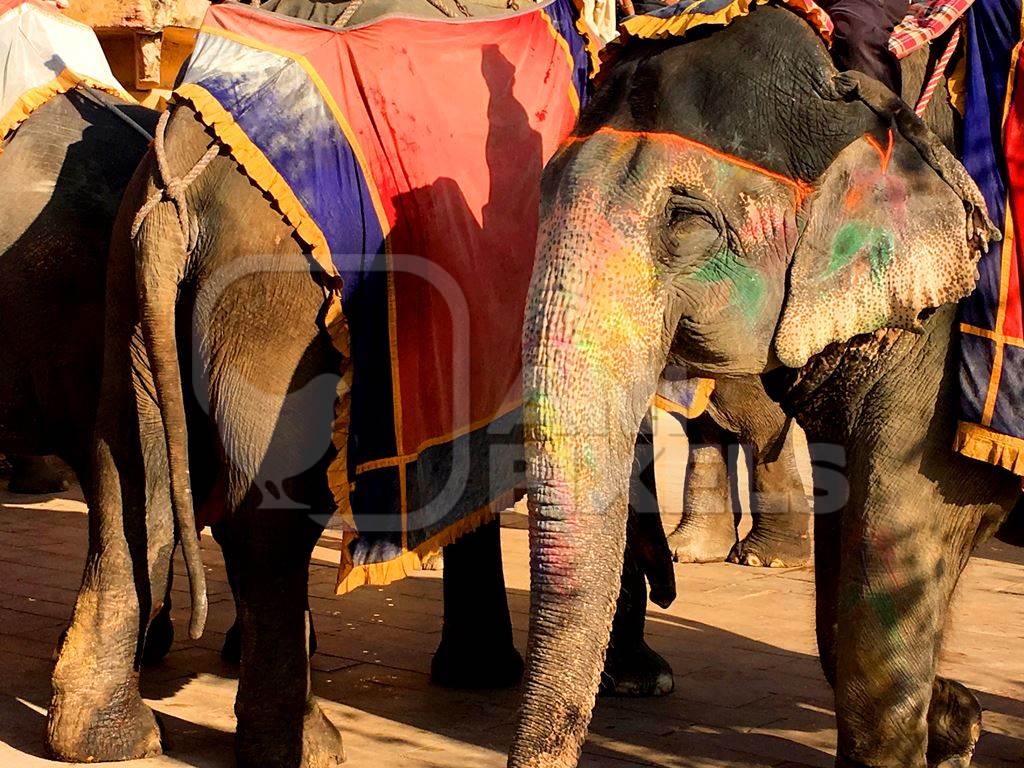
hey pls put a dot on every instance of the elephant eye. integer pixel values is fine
(693, 224)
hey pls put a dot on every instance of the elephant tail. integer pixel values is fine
(157, 283)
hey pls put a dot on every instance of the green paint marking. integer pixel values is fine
(856, 237)
(747, 284)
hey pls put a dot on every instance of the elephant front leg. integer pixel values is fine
(897, 577)
(781, 535)
(706, 533)
(476, 650)
(280, 724)
(632, 667)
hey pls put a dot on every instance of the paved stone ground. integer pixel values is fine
(748, 689)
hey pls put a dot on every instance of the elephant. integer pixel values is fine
(742, 416)
(65, 170)
(217, 374)
(733, 205)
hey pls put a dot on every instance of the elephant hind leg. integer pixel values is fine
(706, 532)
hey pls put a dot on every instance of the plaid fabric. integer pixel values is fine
(924, 23)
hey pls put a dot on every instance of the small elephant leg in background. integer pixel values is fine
(160, 634)
(476, 649)
(780, 536)
(632, 667)
(706, 532)
(38, 475)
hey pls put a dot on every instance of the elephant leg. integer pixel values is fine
(895, 588)
(280, 724)
(160, 635)
(706, 533)
(476, 649)
(633, 668)
(231, 650)
(827, 559)
(37, 475)
(781, 533)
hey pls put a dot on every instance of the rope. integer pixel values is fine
(350, 11)
(172, 189)
(442, 8)
(938, 72)
(462, 8)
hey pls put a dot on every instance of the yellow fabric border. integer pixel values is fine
(263, 174)
(956, 85)
(653, 28)
(36, 97)
(351, 576)
(591, 39)
(574, 98)
(977, 442)
(701, 400)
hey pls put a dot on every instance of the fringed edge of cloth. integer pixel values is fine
(701, 400)
(352, 576)
(41, 95)
(591, 39)
(977, 442)
(261, 171)
(647, 27)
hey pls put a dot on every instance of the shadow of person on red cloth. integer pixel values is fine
(460, 365)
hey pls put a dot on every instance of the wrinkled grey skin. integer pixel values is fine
(655, 251)
(217, 366)
(64, 171)
(741, 416)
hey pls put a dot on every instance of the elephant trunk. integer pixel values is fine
(593, 349)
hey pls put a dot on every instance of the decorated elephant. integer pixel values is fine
(776, 227)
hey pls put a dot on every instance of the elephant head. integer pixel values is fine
(728, 204)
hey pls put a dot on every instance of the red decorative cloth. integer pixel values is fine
(924, 23)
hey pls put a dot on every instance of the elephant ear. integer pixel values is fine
(893, 227)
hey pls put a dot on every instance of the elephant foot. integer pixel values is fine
(768, 551)
(231, 651)
(322, 745)
(708, 539)
(159, 639)
(636, 670)
(475, 665)
(38, 475)
(114, 731)
(954, 725)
